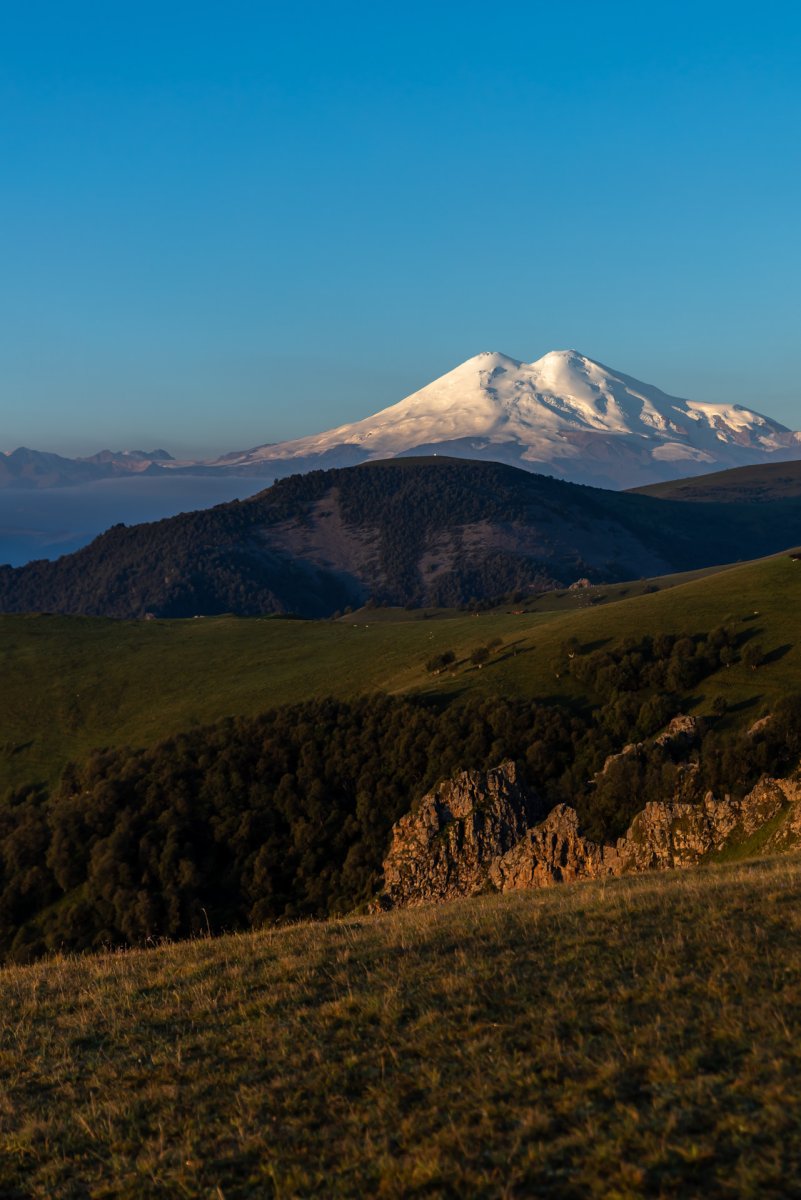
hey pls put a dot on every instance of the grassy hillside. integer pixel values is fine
(71, 684)
(761, 483)
(636, 1038)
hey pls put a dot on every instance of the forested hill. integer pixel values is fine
(406, 531)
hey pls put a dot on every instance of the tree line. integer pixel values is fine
(288, 814)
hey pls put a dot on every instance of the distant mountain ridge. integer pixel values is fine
(25, 468)
(404, 532)
(563, 414)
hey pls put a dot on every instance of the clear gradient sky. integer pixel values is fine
(226, 224)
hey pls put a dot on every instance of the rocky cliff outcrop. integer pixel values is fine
(677, 834)
(682, 730)
(444, 848)
(552, 852)
(479, 832)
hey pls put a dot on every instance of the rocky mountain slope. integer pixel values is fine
(430, 531)
(482, 832)
(563, 414)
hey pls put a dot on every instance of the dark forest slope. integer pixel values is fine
(411, 531)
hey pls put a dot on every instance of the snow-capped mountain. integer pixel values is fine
(563, 414)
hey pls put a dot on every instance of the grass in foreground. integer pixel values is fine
(636, 1038)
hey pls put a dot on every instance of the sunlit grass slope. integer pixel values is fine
(639, 1038)
(70, 684)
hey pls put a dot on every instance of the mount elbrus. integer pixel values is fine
(563, 415)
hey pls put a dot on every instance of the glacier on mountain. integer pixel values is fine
(563, 414)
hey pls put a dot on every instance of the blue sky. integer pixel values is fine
(222, 225)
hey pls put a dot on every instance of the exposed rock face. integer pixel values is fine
(552, 852)
(445, 848)
(677, 834)
(631, 748)
(476, 833)
(682, 729)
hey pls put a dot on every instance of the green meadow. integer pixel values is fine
(70, 684)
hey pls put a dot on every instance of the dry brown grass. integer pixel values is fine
(635, 1038)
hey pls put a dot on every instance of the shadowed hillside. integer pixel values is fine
(639, 1038)
(411, 531)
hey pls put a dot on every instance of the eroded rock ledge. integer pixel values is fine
(482, 832)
